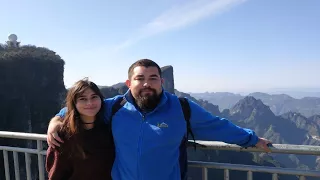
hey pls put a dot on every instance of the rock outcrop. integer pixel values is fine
(31, 92)
(167, 74)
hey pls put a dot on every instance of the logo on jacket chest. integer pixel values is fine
(162, 125)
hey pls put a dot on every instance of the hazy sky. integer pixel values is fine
(213, 45)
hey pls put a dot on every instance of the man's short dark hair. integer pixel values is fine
(145, 63)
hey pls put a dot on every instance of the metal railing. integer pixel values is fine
(209, 145)
(275, 171)
(39, 151)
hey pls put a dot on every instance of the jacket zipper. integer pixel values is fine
(139, 146)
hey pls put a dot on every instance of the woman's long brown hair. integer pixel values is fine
(72, 123)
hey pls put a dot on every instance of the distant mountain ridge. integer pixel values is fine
(278, 103)
(289, 128)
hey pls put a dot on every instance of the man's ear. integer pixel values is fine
(162, 80)
(128, 83)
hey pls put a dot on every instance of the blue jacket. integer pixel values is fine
(147, 145)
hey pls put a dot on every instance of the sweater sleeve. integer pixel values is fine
(57, 165)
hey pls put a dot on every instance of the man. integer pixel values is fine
(148, 129)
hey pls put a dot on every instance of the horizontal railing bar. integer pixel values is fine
(23, 150)
(266, 169)
(21, 135)
(275, 148)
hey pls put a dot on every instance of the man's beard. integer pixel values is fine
(148, 102)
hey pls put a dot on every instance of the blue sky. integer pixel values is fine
(213, 45)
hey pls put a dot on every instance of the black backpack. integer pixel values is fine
(183, 159)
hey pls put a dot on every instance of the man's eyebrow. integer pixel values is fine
(139, 76)
(154, 75)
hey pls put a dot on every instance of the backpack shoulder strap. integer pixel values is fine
(187, 114)
(116, 106)
(185, 108)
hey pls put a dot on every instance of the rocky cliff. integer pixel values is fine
(167, 74)
(31, 92)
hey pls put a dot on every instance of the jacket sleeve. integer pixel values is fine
(207, 127)
(62, 112)
(57, 165)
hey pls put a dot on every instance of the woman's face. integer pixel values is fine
(88, 104)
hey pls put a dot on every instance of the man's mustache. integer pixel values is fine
(148, 89)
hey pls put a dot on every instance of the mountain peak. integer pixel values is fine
(167, 74)
(251, 101)
(169, 67)
(246, 106)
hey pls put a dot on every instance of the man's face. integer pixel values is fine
(145, 86)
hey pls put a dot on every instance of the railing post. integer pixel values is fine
(28, 163)
(40, 160)
(16, 165)
(204, 173)
(302, 178)
(226, 174)
(249, 175)
(6, 164)
(274, 176)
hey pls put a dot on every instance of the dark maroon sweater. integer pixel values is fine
(97, 143)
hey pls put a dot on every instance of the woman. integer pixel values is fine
(88, 148)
